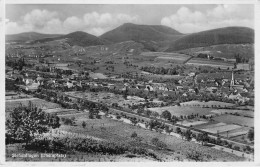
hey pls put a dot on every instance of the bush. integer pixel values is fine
(68, 121)
(134, 135)
(236, 148)
(195, 155)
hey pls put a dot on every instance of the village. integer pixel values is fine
(130, 83)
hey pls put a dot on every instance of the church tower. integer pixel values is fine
(232, 80)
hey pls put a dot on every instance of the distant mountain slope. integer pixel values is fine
(223, 50)
(78, 38)
(228, 35)
(28, 36)
(129, 31)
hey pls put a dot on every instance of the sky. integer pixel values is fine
(98, 19)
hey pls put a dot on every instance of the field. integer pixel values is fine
(170, 57)
(247, 113)
(210, 125)
(222, 128)
(241, 66)
(206, 104)
(178, 111)
(235, 132)
(193, 123)
(224, 50)
(239, 120)
(61, 111)
(11, 104)
(107, 98)
(212, 63)
(158, 76)
(106, 128)
(97, 75)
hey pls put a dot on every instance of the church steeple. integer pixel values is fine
(232, 80)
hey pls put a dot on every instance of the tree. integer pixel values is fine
(203, 138)
(178, 130)
(26, 122)
(166, 115)
(187, 135)
(155, 114)
(84, 124)
(168, 130)
(250, 134)
(134, 121)
(90, 115)
(134, 135)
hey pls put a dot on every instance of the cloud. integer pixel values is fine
(38, 18)
(49, 22)
(188, 21)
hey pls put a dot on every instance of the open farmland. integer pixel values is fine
(193, 123)
(206, 104)
(178, 111)
(116, 130)
(222, 128)
(247, 113)
(158, 76)
(11, 104)
(210, 125)
(97, 75)
(241, 66)
(61, 111)
(212, 63)
(172, 57)
(107, 98)
(235, 132)
(224, 50)
(232, 119)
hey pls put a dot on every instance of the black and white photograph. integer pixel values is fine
(106, 82)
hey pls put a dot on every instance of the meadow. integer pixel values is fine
(232, 119)
(212, 63)
(178, 111)
(247, 113)
(11, 104)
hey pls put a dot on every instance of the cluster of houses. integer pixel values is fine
(229, 88)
